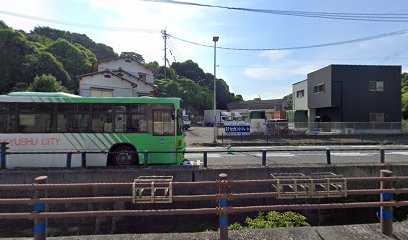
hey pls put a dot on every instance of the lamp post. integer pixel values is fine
(215, 39)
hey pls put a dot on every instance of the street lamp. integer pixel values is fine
(215, 39)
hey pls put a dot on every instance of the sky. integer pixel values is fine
(265, 74)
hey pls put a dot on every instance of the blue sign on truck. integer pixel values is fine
(237, 129)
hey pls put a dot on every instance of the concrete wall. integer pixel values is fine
(300, 103)
(322, 99)
(351, 83)
(190, 173)
(120, 87)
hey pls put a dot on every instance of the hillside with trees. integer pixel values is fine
(47, 59)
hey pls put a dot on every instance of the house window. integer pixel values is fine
(107, 76)
(376, 117)
(127, 60)
(318, 88)
(300, 93)
(100, 92)
(376, 86)
(142, 76)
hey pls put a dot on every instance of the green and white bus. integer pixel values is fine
(117, 127)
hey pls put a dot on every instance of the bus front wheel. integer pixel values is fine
(124, 156)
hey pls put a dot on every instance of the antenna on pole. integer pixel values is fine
(165, 51)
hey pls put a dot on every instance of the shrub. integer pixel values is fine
(272, 220)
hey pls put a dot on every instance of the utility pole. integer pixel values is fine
(215, 39)
(165, 52)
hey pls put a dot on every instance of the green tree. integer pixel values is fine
(404, 95)
(134, 55)
(75, 58)
(289, 100)
(39, 40)
(3, 25)
(46, 83)
(45, 63)
(236, 98)
(190, 70)
(195, 98)
(100, 50)
(13, 49)
(158, 71)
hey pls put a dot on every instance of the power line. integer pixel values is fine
(377, 17)
(383, 35)
(82, 25)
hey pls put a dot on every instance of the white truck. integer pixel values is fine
(186, 122)
(237, 118)
(209, 117)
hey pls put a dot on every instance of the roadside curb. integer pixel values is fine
(249, 144)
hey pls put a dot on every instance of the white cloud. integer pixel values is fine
(178, 20)
(275, 55)
(32, 8)
(280, 71)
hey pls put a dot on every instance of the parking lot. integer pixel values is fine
(198, 135)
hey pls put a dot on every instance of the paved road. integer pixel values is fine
(344, 232)
(302, 154)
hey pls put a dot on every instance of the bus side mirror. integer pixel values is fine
(173, 116)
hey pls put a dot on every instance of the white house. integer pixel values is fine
(127, 64)
(117, 77)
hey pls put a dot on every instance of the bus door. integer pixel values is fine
(164, 133)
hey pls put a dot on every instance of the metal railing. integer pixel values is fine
(263, 159)
(322, 185)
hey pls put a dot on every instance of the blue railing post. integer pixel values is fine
(382, 155)
(205, 159)
(3, 153)
(83, 159)
(223, 204)
(263, 157)
(146, 158)
(386, 214)
(40, 224)
(69, 160)
(328, 156)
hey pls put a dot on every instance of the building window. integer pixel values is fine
(376, 117)
(300, 93)
(376, 86)
(99, 92)
(142, 76)
(318, 88)
(107, 76)
(127, 60)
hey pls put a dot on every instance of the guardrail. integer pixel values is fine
(155, 189)
(381, 153)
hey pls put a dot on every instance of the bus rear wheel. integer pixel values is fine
(124, 156)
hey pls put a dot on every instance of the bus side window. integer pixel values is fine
(137, 122)
(163, 122)
(36, 118)
(8, 117)
(120, 119)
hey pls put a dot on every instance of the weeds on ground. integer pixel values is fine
(272, 220)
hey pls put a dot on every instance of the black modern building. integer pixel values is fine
(354, 93)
